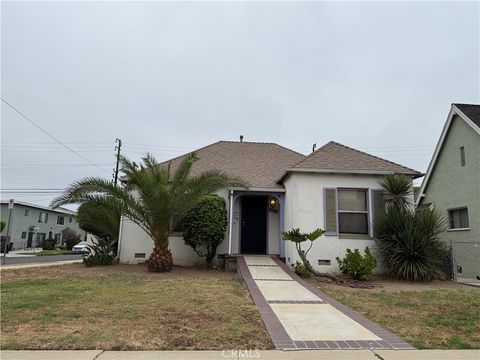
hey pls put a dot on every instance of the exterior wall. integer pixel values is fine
(133, 240)
(452, 185)
(304, 209)
(21, 223)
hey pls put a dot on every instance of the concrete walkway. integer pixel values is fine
(297, 315)
(244, 354)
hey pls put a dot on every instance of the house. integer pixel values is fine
(334, 188)
(31, 224)
(452, 182)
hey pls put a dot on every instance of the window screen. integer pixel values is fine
(458, 218)
(352, 211)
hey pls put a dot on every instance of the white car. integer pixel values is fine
(80, 248)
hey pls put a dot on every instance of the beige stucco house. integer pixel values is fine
(334, 188)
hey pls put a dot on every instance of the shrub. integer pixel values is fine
(357, 266)
(205, 225)
(301, 270)
(409, 244)
(100, 253)
(48, 244)
(70, 238)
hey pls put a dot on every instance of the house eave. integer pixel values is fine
(343, 171)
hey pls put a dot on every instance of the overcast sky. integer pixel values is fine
(171, 77)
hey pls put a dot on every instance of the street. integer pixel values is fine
(36, 259)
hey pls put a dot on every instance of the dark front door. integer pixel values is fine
(29, 239)
(253, 238)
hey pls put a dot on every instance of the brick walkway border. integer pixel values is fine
(281, 339)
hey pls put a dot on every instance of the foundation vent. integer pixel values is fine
(139, 255)
(324, 262)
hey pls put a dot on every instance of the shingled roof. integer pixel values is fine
(336, 157)
(471, 111)
(259, 164)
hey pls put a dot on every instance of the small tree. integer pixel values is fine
(2, 225)
(298, 238)
(70, 238)
(357, 266)
(205, 225)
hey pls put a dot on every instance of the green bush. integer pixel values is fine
(301, 270)
(70, 238)
(205, 225)
(100, 253)
(410, 246)
(48, 244)
(357, 266)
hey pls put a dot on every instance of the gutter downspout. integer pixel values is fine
(230, 223)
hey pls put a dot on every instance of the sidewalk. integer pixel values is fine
(299, 316)
(244, 354)
(39, 264)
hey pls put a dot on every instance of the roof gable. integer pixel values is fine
(467, 112)
(259, 164)
(336, 157)
(472, 112)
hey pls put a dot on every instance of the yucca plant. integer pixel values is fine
(154, 197)
(409, 241)
(398, 190)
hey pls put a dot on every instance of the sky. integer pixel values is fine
(171, 77)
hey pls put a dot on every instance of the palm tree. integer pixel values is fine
(154, 197)
(100, 221)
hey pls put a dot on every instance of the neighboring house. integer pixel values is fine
(334, 188)
(452, 182)
(30, 224)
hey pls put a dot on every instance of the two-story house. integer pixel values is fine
(31, 224)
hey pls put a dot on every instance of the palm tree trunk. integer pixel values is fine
(160, 259)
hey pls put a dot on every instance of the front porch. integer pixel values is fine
(256, 223)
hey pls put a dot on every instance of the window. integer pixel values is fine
(458, 218)
(462, 155)
(24, 234)
(26, 212)
(58, 237)
(42, 217)
(61, 220)
(352, 211)
(70, 219)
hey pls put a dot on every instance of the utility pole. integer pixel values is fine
(118, 146)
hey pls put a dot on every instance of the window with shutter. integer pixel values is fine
(330, 196)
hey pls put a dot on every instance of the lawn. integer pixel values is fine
(441, 315)
(49, 252)
(122, 307)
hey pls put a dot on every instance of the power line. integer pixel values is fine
(49, 135)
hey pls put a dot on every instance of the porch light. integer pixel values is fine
(273, 202)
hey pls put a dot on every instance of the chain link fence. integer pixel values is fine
(463, 263)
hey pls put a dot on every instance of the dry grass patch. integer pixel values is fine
(124, 307)
(439, 315)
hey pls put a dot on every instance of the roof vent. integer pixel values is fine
(241, 138)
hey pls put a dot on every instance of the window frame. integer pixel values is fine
(58, 219)
(367, 193)
(449, 212)
(42, 217)
(24, 235)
